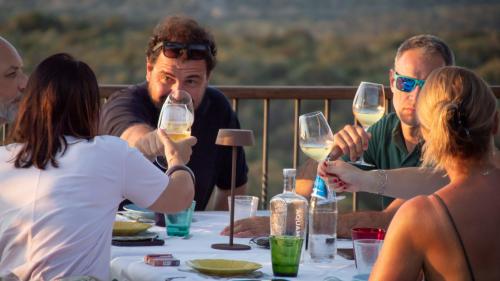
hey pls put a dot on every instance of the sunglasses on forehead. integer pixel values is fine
(407, 84)
(174, 50)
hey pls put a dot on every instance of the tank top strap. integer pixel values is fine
(447, 211)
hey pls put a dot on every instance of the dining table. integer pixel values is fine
(127, 262)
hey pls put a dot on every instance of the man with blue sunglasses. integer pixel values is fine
(393, 142)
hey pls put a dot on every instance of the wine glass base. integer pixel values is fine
(362, 165)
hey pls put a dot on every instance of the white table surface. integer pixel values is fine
(127, 263)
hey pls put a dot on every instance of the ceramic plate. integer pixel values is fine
(129, 228)
(146, 235)
(221, 267)
(139, 212)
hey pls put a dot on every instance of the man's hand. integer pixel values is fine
(352, 140)
(146, 141)
(176, 152)
(249, 227)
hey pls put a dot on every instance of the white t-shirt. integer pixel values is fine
(58, 222)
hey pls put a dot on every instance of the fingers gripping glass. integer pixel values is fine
(407, 84)
(174, 50)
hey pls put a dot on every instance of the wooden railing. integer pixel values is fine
(296, 93)
(268, 93)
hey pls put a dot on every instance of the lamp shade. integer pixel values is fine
(235, 137)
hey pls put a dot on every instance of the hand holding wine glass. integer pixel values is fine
(368, 106)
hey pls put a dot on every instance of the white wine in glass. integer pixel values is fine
(368, 106)
(315, 135)
(176, 118)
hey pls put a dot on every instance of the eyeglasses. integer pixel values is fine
(174, 50)
(407, 84)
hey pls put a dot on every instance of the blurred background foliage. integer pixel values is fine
(273, 42)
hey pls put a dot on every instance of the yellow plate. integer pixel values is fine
(128, 228)
(223, 267)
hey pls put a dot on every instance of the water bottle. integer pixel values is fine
(322, 223)
(288, 224)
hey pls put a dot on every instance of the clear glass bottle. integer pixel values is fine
(289, 212)
(322, 240)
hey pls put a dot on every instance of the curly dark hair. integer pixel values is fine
(183, 30)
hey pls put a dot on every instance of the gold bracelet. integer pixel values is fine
(382, 175)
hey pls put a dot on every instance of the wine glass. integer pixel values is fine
(176, 118)
(315, 135)
(368, 107)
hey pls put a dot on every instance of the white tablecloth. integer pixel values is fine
(127, 262)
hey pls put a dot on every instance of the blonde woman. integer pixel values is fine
(453, 234)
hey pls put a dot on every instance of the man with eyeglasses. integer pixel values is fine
(180, 56)
(393, 142)
(12, 81)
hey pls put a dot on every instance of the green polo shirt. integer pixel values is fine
(387, 148)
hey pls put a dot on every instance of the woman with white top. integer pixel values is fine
(60, 183)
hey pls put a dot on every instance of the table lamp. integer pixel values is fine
(233, 138)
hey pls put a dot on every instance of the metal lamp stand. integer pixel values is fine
(233, 138)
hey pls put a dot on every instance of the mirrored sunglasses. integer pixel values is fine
(407, 84)
(174, 50)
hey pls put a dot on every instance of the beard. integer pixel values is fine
(8, 111)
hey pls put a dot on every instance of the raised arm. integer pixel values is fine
(401, 183)
(180, 190)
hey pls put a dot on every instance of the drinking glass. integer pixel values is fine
(315, 135)
(368, 107)
(366, 252)
(176, 118)
(366, 233)
(178, 224)
(245, 206)
(285, 254)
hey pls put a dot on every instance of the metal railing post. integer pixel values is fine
(265, 160)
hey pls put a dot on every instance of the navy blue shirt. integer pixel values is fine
(210, 163)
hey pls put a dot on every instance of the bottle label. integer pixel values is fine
(319, 188)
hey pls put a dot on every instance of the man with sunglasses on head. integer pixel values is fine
(180, 56)
(393, 142)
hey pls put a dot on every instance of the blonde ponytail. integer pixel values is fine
(456, 110)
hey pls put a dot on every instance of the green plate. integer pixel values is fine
(128, 228)
(145, 235)
(221, 267)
